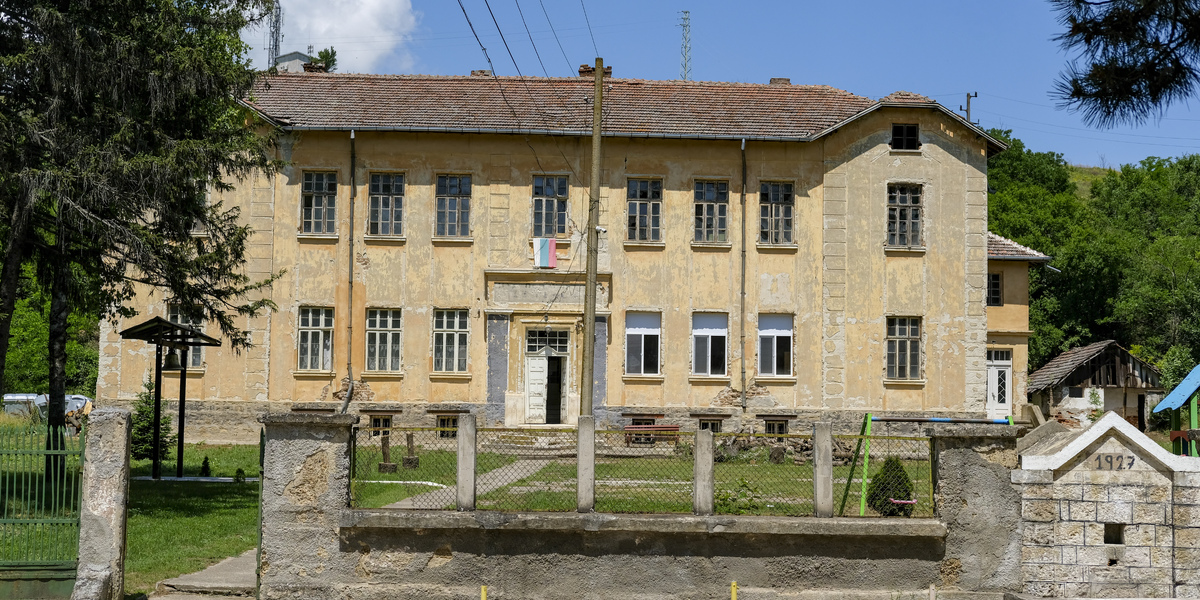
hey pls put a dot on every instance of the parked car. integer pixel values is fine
(25, 404)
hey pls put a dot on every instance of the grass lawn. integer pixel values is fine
(223, 461)
(372, 489)
(182, 527)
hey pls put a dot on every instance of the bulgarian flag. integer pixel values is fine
(545, 254)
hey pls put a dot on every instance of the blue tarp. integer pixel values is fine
(1182, 392)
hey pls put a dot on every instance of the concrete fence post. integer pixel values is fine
(702, 490)
(466, 462)
(823, 469)
(586, 468)
(101, 569)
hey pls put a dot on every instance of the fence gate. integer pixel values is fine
(39, 511)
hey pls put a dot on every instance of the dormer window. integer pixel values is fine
(905, 137)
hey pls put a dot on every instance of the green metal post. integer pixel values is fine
(1176, 444)
(853, 463)
(1195, 423)
(862, 498)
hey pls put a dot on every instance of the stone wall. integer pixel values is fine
(316, 546)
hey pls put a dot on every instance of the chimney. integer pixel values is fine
(590, 71)
(481, 73)
(781, 81)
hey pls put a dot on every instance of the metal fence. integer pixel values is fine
(39, 496)
(898, 479)
(763, 474)
(526, 469)
(404, 467)
(644, 472)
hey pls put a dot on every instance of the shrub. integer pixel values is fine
(239, 476)
(891, 482)
(743, 498)
(205, 468)
(142, 442)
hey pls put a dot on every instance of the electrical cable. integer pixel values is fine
(589, 24)
(501, 32)
(531, 42)
(570, 67)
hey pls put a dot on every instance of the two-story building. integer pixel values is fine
(766, 253)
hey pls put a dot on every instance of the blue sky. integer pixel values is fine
(1001, 49)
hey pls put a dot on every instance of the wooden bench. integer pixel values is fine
(649, 434)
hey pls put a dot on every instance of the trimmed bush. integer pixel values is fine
(142, 443)
(891, 482)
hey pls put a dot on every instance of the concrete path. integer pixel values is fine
(492, 480)
(230, 577)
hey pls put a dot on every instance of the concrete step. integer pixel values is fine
(230, 577)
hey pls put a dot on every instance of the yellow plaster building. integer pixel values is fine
(767, 254)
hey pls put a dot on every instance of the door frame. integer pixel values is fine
(999, 360)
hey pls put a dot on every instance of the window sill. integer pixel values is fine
(317, 238)
(644, 244)
(777, 248)
(199, 371)
(642, 378)
(559, 241)
(452, 241)
(449, 376)
(384, 239)
(722, 379)
(382, 375)
(904, 250)
(904, 383)
(768, 379)
(916, 152)
(712, 246)
(311, 374)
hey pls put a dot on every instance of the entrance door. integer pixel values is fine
(554, 378)
(999, 392)
(536, 373)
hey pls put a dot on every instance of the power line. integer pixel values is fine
(530, 34)
(510, 54)
(570, 67)
(1137, 135)
(589, 25)
(480, 42)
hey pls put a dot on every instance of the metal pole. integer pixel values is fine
(155, 464)
(587, 376)
(182, 403)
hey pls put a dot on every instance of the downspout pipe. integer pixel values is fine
(350, 283)
(742, 305)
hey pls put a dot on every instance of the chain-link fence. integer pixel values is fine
(644, 471)
(763, 474)
(526, 469)
(404, 468)
(898, 482)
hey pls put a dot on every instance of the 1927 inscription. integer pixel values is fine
(1111, 462)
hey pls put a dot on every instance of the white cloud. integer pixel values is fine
(370, 36)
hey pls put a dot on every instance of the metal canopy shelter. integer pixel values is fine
(1173, 402)
(163, 333)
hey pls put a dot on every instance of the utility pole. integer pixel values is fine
(968, 108)
(588, 377)
(685, 67)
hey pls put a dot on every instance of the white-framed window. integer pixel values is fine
(195, 358)
(776, 205)
(710, 331)
(453, 206)
(319, 202)
(450, 329)
(643, 331)
(381, 425)
(906, 136)
(644, 197)
(550, 206)
(995, 290)
(903, 347)
(383, 339)
(386, 204)
(775, 345)
(557, 341)
(904, 214)
(712, 211)
(447, 422)
(316, 339)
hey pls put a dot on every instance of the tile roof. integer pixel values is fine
(632, 107)
(903, 96)
(1062, 365)
(1002, 248)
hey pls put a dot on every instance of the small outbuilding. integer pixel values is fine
(1090, 380)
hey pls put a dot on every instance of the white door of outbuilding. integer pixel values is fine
(999, 382)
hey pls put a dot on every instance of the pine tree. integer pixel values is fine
(890, 483)
(142, 443)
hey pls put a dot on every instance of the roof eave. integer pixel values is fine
(547, 132)
(1022, 258)
(994, 145)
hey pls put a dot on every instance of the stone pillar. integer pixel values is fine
(466, 462)
(586, 469)
(305, 494)
(702, 491)
(1185, 515)
(823, 469)
(105, 496)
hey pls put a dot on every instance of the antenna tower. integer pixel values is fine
(276, 34)
(685, 66)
